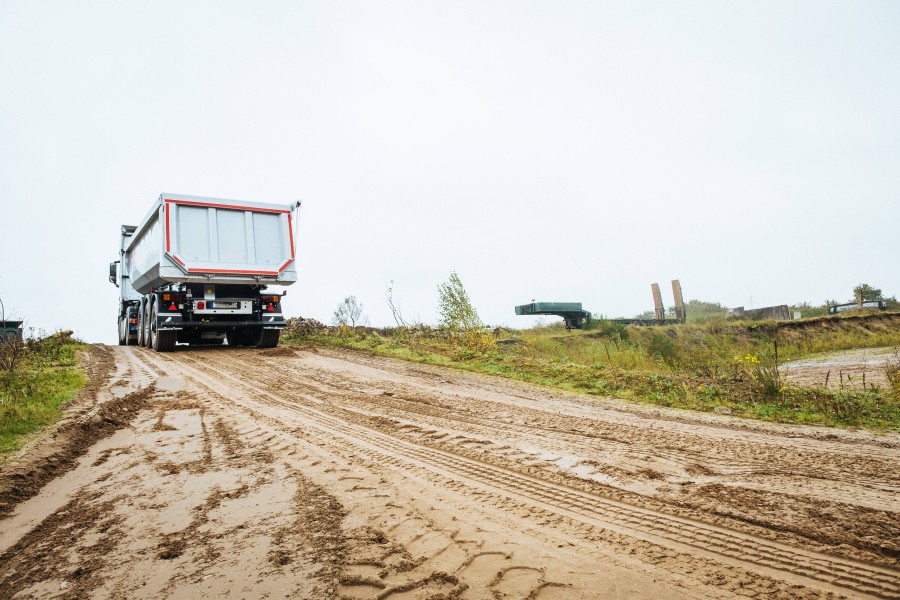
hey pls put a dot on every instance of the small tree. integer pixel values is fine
(348, 312)
(457, 312)
(868, 292)
(394, 305)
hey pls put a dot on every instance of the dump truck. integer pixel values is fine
(196, 271)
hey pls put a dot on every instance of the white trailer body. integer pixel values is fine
(197, 266)
(209, 240)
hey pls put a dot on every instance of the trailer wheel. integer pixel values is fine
(140, 325)
(161, 341)
(146, 327)
(268, 338)
(123, 323)
(238, 338)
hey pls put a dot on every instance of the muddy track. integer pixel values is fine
(324, 474)
(771, 481)
(792, 563)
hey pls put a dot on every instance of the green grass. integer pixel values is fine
(715, 366)
(45, 378)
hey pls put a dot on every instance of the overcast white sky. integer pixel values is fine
(569, 151)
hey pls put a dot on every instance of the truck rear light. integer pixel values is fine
(133, 321)
(173, 308)
(167, 297)
(201, 305)
(271, 308)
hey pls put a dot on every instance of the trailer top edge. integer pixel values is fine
(225, 202)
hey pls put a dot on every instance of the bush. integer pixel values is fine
(663, 347)
(32, 392)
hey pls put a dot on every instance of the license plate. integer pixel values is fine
(223, 305)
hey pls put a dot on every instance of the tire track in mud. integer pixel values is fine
(791, 511)
(592, 442)
(425, 558)
(780, 497)
(716, 543)
(667, 445)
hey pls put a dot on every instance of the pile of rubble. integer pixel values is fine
(299, 326)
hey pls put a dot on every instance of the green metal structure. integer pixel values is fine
(10, 329)
(572, 312)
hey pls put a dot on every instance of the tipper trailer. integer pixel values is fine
(196, 271)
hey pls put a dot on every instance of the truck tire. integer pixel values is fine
(123, 324)
(146, 327)
(140, 325)
(161, 341)
(238, 338)
(268, 338)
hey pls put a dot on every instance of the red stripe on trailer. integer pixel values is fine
(231, 206)
(238, 271)
(179, 261)
(291, 231)
(241, 271)
(168, 229)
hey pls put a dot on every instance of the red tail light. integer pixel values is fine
(173, 307)
(201, 305)
(271, 308)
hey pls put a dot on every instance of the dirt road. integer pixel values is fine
(322, 474)
(849, 369)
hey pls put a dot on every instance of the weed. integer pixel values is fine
(892, 371)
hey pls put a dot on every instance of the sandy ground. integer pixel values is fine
(850, 369)
(321, 474)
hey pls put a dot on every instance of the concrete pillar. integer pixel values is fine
(657, 303)
(679, 301)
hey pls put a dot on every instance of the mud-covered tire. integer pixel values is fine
(161, 341)
(123, 331)
(238, 338)
(165, 341)
(140, 325)
(268, 338)
(147, 313)
(151, 326)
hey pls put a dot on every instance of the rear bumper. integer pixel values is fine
(170, 322)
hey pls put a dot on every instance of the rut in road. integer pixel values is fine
(778, 560)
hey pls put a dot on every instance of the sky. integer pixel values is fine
(556, 151)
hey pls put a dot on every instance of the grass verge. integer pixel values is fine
(45, 377)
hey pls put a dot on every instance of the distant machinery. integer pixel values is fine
(839, 308)
(574, 316)
(10, 330)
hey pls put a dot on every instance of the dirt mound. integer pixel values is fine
(278, 351)
(55, 454)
